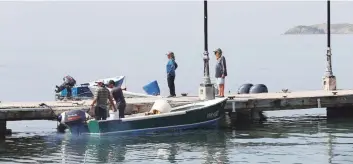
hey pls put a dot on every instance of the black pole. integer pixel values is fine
(329, 54)
(205, 25)
(206, 70)
(328, 24)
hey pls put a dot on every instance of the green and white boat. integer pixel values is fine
(196, 115)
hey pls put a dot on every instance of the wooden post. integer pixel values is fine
(339, 112)
(3, 130)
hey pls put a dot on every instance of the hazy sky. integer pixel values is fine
(40, 42)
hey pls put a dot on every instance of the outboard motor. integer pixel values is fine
(60, 88)
(75, 120)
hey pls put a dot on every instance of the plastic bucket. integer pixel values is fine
(152, 88)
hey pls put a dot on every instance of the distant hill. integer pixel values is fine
(341, 28)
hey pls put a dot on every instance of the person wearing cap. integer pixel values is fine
(221, 71)
(101, 97)
(118, 95)
(68, 83)
(171, 67)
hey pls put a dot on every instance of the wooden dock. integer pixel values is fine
(11, 111)
(240, 107)
(292, 100)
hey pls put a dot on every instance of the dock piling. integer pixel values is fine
(3, 129)
(339, 112)
(318, 103)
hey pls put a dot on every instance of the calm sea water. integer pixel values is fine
(41, 42)
(299, 136)
(295, 139)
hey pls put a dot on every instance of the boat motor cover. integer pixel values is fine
(162, 106)
(73, 116)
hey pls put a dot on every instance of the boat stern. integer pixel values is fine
(78, 128)
(75, 120)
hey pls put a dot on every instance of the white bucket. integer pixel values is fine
(113, 115)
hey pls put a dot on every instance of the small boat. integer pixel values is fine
(118, 81)
(85, 91)
(152, 89)
(161, 118)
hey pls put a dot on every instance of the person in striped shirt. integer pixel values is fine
(100, 102)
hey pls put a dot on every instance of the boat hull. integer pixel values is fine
(183, 118)
(205, 117)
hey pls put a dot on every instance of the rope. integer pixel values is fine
(53, 113)
(45, 105)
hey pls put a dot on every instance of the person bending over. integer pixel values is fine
(118, 95)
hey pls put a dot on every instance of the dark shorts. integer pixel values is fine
(100, 113)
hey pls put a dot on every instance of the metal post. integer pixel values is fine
(205, 25)
(329, 79)
(329, 54)
(206, 58)
(206, 90)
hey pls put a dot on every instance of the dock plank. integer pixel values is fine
(296, 94)
(11, 111)
(11, 105)
(292, 100)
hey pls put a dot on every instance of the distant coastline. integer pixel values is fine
(340, 28)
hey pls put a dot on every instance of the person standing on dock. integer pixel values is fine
(221, 71)
(171, 67)
(101, 97)
(118, 95)
(69, 82)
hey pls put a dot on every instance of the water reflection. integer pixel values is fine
(280, 140)
(29, 149)
(173, 148)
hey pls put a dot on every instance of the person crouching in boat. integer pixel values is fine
(118, 95)
(68, 83)
(221, 71)
(101, 97)
(171, 67)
